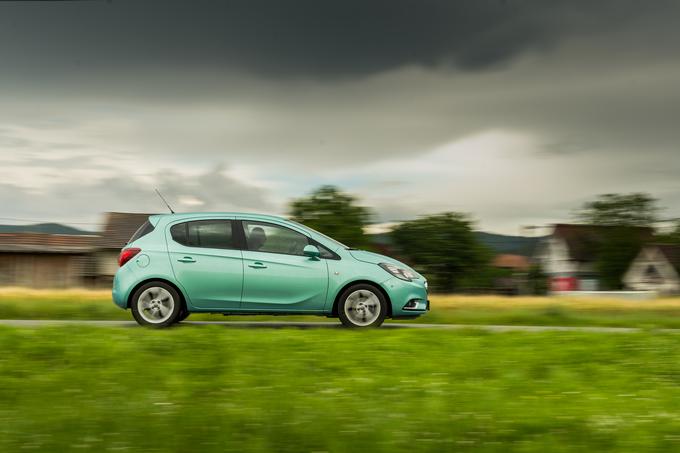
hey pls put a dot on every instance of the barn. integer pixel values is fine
(42, 260)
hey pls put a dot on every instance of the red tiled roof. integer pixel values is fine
(517, 262)
(119, 228)
(45, 243)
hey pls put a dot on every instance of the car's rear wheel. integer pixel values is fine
(362, 305)
(156, 304)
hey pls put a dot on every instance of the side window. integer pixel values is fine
(179, 233)
(325, 253)
(267, 237)
(215, 234)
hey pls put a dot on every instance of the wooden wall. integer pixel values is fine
(41, 270)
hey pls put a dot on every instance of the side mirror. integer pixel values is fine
(311, 251)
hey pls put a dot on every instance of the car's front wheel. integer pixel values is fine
(156, 304)
(184, 314)
(362, 305)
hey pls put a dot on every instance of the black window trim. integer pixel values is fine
(310, 240)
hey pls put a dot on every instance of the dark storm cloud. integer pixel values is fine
(305, 37)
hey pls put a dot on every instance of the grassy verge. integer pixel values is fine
(557, 311)
(18, 303)
(215, 389)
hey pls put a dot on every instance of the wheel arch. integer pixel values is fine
(336, 302)
(157, 279)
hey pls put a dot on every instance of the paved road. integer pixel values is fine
(332, 325)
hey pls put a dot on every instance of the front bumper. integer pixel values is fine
(417, 305)
(408, 299)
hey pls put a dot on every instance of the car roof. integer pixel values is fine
(199, 215)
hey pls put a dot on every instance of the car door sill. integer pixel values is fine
(272, 313)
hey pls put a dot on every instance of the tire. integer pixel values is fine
(361, 306)
(184, 314)
(156, 304)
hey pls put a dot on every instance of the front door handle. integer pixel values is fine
(186, 259)
(257, 265)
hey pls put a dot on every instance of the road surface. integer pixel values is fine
(330, 325)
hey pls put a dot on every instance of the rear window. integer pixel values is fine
(215, 234)
(143, 230)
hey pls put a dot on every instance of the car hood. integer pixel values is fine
(376, 258)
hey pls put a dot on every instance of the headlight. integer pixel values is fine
(398, 272)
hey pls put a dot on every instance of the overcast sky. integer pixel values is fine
(514, 111)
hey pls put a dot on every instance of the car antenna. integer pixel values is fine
(164, 201)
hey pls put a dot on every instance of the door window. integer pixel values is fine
(215, 234)
(271, 238)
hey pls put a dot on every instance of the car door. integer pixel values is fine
(207, 262)
(277, 276)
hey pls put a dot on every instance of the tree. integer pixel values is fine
(672, 237)
(334, 213)
(445, 249)
(537, 281)
(625, 210)
(625, 222)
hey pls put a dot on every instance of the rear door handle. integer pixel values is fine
(186, 259)
(257, 265)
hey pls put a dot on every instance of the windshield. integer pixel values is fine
(338, 243)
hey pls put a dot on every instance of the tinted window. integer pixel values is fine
(267, 237)
(216, 234)
(179, 233)
(325, 253)
(143, 230)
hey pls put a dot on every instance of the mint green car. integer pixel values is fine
(232, 263)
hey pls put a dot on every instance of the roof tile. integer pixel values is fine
(45, 243)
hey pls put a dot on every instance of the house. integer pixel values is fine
(514, 263)
(42, 260)
(569, 255)
(513, 278)
(656, 268)
(117, 231)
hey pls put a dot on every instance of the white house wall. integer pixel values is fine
(635, 277)
(554, 258)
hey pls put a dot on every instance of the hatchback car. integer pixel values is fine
(232, 263)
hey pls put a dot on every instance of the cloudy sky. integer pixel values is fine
(516, 111)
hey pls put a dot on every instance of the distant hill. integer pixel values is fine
(498, 243)
(516, 245)
(49, 228)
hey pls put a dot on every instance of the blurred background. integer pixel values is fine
(483, 124)
(615, 244)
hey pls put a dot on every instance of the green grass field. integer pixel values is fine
(212, 388)
(82, 304)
